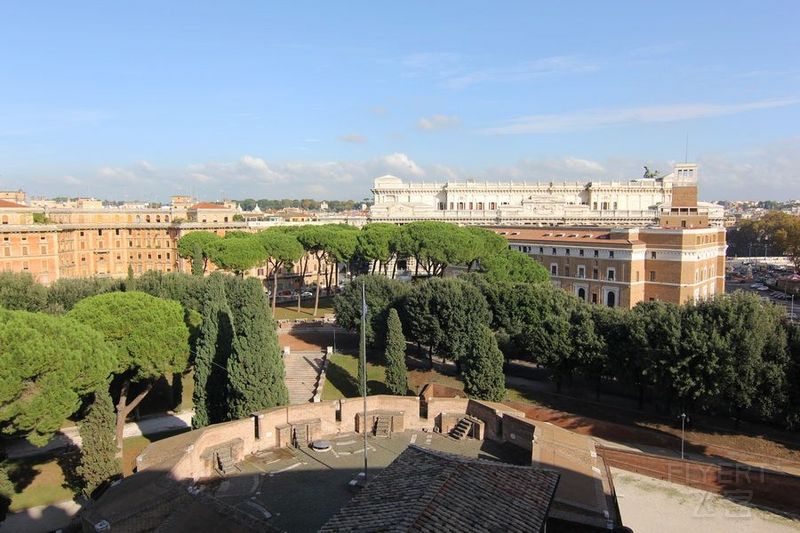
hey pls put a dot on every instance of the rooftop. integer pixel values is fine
(302, 489)
(425, 490)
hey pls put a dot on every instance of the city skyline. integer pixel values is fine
(141, 102)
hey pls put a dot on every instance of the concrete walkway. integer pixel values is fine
(69, 436)
(41, 519)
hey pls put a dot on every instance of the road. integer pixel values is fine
(69, 436)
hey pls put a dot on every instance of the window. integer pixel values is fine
(554, 269)
(581, 271)
(652, 275)
(611, 299)
(555, 252)
(582, 294)
(580, 252)
(568, 251)
(541, 250)
(566, 270)
(611, 274)
(615, 206)
(637, 275)
(594, 297)
(611, 254)
(652, 255)
(595, 273)
(596, 253)
(116, 231)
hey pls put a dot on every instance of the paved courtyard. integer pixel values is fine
(301, 489)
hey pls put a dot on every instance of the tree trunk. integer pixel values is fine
(316, 298)
(373, 266)
(394, 267)
(416, 266)
(123, 410)
(274, 288)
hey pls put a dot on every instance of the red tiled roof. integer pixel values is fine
(209, 205)
(9, 204)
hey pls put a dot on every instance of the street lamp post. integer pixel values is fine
(684, 419)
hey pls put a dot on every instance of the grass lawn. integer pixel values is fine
(39, 481)
(288, 310)
(343, 370)
(42, 480)
(340, 378)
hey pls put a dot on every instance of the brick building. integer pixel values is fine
(624, 266)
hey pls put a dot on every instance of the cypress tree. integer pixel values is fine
(198, 260)
(482, 366)
(98, 453)
(396, 375)
(255, 368)
(6, 492)
(212, 351)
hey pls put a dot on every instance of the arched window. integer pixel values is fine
(147, 218)
(158, 218)
(582, 294)
(611, 299)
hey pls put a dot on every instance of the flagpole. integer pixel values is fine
(363, 360)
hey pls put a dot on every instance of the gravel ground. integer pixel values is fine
(655, 506)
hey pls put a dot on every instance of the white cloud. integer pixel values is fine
(353, 138)
(247, 169)
(598, 118)
(438, 122)
(525, 71)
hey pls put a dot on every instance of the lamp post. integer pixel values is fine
(684, 419)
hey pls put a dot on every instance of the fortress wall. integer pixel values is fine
(187, 456)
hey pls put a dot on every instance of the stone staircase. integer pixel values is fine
(302, 371)
(383, 426)
(461, 430)
(300, 437)
(225, 463)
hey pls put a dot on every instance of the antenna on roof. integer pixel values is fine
(686, 152)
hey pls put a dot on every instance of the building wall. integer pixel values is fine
(673, 265)
(619, 203)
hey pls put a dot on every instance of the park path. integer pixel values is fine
(69, 436)
(302, 371)
(41, 519)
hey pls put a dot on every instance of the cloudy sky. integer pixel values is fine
(141, 100)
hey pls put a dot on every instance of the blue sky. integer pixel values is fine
(140, 100)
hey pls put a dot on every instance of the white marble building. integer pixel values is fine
(618, 203)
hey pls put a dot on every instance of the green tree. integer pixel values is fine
(483, 245)
(20, 291)
(98, 448)
(48, 363)
(212, 351)
(255, 367)
(149, 336)
(655, 336)
(283, 250)
(396, 373)
(381, 293)
(6, 493)
(482, 368)
(435, 245)
(66, 292)
(374, 244)
(440, 312)
(327, 244)
(189, 244)
(513, 266)
(237, 253)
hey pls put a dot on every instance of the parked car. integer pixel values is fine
(306, 294)
(286, 293)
